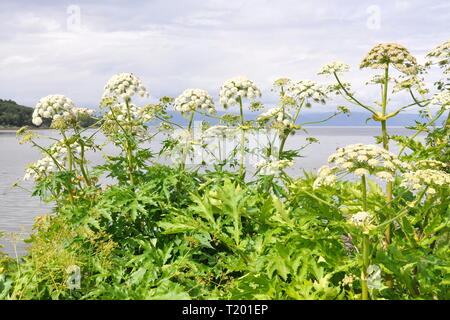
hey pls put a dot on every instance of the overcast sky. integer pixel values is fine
(47, 48)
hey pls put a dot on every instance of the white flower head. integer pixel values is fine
(127, 116)
(441, 99)
(362, 160)
(49, 164)
(420, 179)
(441, 56)
(430, 164)
(308, 89)
(273, 165)
(384, 175)
(361, 219)
(276, 118)
(40, 169)
(361, 172)
(238, 88)
(219, 131)
(194, 99)
(326, 177)
(51, 106)
(384, 54)
(334, 67)
(124, 85)
(371, 158)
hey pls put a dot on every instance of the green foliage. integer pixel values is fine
(159, 231)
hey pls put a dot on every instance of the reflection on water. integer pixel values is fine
(18, 209)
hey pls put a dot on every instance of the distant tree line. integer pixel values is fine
(16, 115)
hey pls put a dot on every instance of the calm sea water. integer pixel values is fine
(18, 208)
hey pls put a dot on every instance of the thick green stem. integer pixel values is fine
(82, 168)
(241, 161)
(128, 146)
(350, 96)
(365, 245)
(364, 192)
(185, 149)
(386, 144)
(82, 158)
(283, 141)
(366, 261)
(69, 153)
(69, 164)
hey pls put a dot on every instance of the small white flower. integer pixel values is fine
(373, 162)
(362, 158)
(334, 67)
(441, 99)
(361, 219)
(273, 165)
(194, 99)
(431, 178)
(383, 175)
(348, 165)
(37, 121)
(276, 118)
(124, 85)
(50, 106)
(389, 165)
(324, 171)
(361, 172)
(237, 88)
(308, 89)
(218, 131)
(430, 164)
(441, 56)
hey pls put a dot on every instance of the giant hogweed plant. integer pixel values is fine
(174, 232)
(391, 57)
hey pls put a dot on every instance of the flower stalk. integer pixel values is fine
(365, 245)
(242, 152)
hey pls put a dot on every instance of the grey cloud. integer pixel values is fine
(173, 45)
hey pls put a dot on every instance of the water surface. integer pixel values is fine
(18, 208)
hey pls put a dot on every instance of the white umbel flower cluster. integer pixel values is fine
(82, 111)
(308, 89)
(273, 165)
(184, 137)
(45, 166)
(276, 118)
(184, 142)
(419, 179)
(40, 169)
(384, 54)
(430, 164)
(219, 131)
(326, 176)
(442, 54)
(334, 67)
(51, 107)
(361, 160)
(128, 113)
(235, 88)
(441, 99)
(194, 99)
(59, 150)
(361, 219)
(124, 85)
(128, 117)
